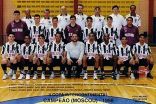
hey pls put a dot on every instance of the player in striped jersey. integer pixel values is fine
(125, 58)
(56, 55)
(50, 37)
(143, 55)
(27, 56)
(10, 54)
(88, 29)
(91, 56)
(36, 29)
(40, 54)
(111, 30)
(107, 55)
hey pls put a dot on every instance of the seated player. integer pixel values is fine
(56, 55)
(75, 52)
(91, 56)
(27, 56)
(143, 55)
(107, 55)
(39, 56)
(10, 53)
(125, 58)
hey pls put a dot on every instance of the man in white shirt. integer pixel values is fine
(80, 17)
(98, 22)
(136, 17)
(46, 20)
(28, 18)
(63, 18)
(118, 20)
(75, 52)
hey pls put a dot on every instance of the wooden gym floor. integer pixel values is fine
(142, 88)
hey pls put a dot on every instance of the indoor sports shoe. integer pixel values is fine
(35, 76)
(52, 75)
(10, 73)
(95, 76)
(27, 76)
(43, 76)
(102, 76)
(118, 76)
(21, 77)
(62, 76)
(132, 76)
(4, 76)
(85, 76)
(13, 77)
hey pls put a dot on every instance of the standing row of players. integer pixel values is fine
(115, 25)
(75, 53)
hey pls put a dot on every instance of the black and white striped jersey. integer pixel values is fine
(99, 33)
(124, 53)
(112, 31)
(35, 31)
(41, 51)
(10, 50)
(26, 50)
(56, 49)
(91, 49)
(50, 36)
(107, 50)
(142, 51)
(86, 32)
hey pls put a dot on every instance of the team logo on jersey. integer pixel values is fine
(99, 19)
(66, 19)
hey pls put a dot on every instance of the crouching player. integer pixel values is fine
(27, 56)
(39, 56)
(125, 58)
(56, 55)
(143, 55)
(107, 55)
(10, 53)
(91, 56)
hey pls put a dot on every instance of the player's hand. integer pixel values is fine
(63, 60)
(69, 61)
(79, 62)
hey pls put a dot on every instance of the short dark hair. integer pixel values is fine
(41, 35)
(81, 5)
(11, 33)
(115, 6)
(91, 33)
(89, 17)
(28, 36)
(47, 10)
(144, 35)
(37, 15)
(130, 18)
(97, 7)
(72, 16)
(123, 37)
(109, 17)
(132, 5)
(55, 18)
(17, 11)
(59, 32)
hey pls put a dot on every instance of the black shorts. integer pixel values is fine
(26, 62)
(143, 62)
(56, 62)
(107, 62)
(90, 62)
